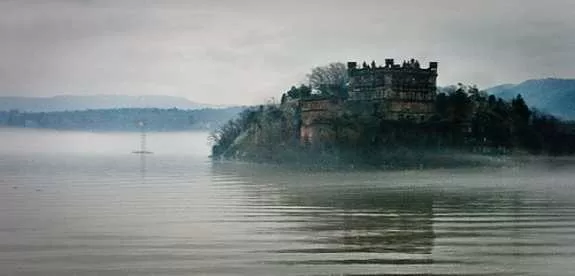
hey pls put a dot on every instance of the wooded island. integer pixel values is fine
(386, 115)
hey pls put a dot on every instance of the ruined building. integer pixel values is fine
(391, 92)
(397, 92)
(317, 115)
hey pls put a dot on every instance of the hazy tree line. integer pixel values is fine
(466, 119)
(122, 119)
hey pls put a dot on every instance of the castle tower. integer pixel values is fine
(400, 92)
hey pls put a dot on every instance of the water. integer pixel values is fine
(81, 204)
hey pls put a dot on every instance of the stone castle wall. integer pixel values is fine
(392, 91)
(317, 114)
(404, 91)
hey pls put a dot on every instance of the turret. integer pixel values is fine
(389, 62)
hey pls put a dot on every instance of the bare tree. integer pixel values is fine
(329, 79)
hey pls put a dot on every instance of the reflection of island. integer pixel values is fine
(338, 212)
(404, 223)
(372, 220)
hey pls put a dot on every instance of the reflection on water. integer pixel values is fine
(351, 219)
(176, 213)
(476, 222)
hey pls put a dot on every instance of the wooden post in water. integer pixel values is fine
(143, 136)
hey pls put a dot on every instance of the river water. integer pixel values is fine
(76, 203)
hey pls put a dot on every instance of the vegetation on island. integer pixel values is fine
(552, 95)
(467, 120)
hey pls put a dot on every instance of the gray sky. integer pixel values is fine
(244, 52)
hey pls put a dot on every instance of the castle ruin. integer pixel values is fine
(397, 92)
(391, 92)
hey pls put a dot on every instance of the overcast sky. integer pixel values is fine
(244, 52)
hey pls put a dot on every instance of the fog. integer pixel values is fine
(30, 141)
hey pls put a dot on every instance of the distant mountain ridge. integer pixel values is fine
(122, 119)
(70, 103)
(551, 95)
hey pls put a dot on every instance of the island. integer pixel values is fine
(388, 115)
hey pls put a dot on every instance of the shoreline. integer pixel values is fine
(393, 162)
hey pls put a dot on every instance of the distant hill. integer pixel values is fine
(554, 96)
(122, 119)
(68, 103)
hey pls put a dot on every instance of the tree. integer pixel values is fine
(331, 79)
(300, 92)
(461, 106)
(442, 105)
(520, 110)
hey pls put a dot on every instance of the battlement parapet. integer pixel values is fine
(399, 90)
(390, 66)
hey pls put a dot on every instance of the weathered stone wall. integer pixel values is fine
(403, 91)
(316, 115)
(394, 92)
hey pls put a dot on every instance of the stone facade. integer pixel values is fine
(392, 92)
(316, 116)
(398, 92)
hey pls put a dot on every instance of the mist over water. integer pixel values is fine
(74, 203)
(31, 141)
